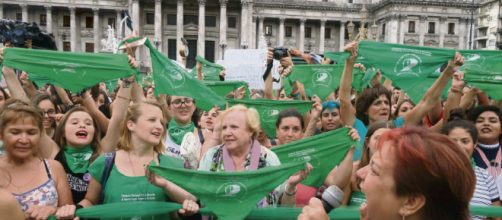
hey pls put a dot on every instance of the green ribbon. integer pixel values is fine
(78, 158)
(177, 132)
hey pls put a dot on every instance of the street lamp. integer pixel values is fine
(350, 29)
(363, 32)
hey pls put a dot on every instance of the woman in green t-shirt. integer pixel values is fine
(140, 144)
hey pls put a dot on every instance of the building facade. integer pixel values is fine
(489, 28)
(309, 25)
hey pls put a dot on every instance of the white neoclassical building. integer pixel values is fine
(212, 26)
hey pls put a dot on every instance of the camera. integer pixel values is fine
(280, 52)
(18, 32)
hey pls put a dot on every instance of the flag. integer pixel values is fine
(323, 152)
(483, 69)
(69, 70)
(229, 195)
(412, 68)
(211, 71)
(222, 88)
(269, 110)
(320, 80)
(171, 79)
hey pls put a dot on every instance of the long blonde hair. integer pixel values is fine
(133, 113)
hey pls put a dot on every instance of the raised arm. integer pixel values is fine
(347, 111)
(433, 93)
(120, 106)
(268, 75)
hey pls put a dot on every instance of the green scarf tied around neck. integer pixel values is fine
(177, 132)
(78, 158)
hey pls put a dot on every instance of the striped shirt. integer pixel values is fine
(485, 192)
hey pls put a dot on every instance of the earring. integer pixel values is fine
(404, 217)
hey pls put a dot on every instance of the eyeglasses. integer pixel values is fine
(178, 102)
(49, 112)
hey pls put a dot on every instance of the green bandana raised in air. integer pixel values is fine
(229, 195)
(78, 158)
(73, 71)
(269, 110)
(177, 132)
(222, 88)
(211, 71)
(172, 79)
(483, 70)
(320, 80)
(323, 151)
(412, 68)
(360, 79)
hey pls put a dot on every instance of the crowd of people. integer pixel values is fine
(62, 152)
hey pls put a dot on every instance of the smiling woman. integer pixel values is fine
(241, 151)
(39, 185)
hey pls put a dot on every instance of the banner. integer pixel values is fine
(171, 79)
(69, 70)
(323, 152)
(230, 195)
(269, 110)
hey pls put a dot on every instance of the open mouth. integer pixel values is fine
(486, 130)
(156, 133)
(82, 134)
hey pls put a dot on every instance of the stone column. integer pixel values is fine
(322, 33)
(342, 35)
(442, 29)
(24, 10)
(402, 28)
(223, 27)
(301, 39)
(201, 40)
(261, 19)
(96, 28)
(281, 31)
(251, 25)
(135, 16)
(179, 28)
(73, 30)
(422, 30)
(48, 12)
(117, 21)
(158, 24)
(461, 33)
(244, 24)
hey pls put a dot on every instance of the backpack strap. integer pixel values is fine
(109, 161)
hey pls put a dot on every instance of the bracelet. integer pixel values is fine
(289, 194)
(122, 97)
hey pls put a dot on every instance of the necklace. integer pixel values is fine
(142, 162)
